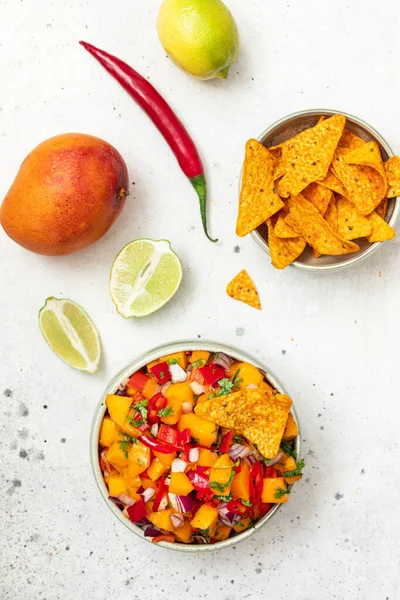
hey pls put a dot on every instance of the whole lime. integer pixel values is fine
(200, 36)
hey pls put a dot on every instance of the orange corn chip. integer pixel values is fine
(281, 229)
(368, 155)
(350, 140)
(307, 156)
(382, 208)
(381, 231)
(331, 217)
(318, 195)
(306, 218)
(242, 288)
(332, 183)
(322, 118)
(363, 184)
(392, 170)
(351, 223)
(283, 251)
(258, 197)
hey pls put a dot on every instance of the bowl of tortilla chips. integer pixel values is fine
(319, 191)
(219, 404)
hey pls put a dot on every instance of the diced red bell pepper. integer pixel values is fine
(158, 446)
(212, 373)
(237, 508)
(137, 511)
(226, 442)
(256, 483)
(138, 381)
(205, 496)
(168, 434)
(156, 403)
(164, 537)
(199, 480)
(161, 372)
(159, 494)
(264, 508)
(270, 472)
(144, 427)
(184, 436)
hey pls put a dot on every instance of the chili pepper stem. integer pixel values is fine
(199, 184)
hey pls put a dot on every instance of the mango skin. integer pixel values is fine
(67, 193)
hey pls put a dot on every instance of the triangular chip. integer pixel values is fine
(331, 217)
(368, 155)
(283, 251)
(281, 229)
(351, 223)
(363, 184)
(319, 196)
(259, 416)
(332, 183)
(381, 231)
(382, 208)
(258, 196)
(307, 219)
(350, 140)
(242, 288)
(307, 156)
(392, 170)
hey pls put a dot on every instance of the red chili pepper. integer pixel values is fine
(160, 493)
(138, 381)
(264, 508)
(206, 496)
(163, 118)
(270, 472)
(137, 511)
(168, 434)
(144, 427)
(226, 442)
(156, 403)
(256, 483)
(184, 436)
(165, 537)
(161, 372)
(200, 481)
(212, 373)
(237, 508)
(158, 446)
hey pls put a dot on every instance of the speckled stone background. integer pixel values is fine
(333, 340)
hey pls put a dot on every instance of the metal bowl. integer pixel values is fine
(101, 410)
(290, 126)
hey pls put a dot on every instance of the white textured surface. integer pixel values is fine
(333, 340)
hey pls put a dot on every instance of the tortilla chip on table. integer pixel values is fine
(243, 289)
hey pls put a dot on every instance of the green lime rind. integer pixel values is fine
(145, 275)
(70, 333)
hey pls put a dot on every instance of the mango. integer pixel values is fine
(150, 389)
(202, 430)
(116, 455)
(133, 483)
(180, 484)
(248, 374)
(184, 532)
(116, 485)
(108, 432)
(182, 391)
(242, 524)
(207, 458)
(291, 430)
(162, 519)
(220, 481)
(139, 459)
(180, 358)
(272, 486)
(199, 355)
(206, 519)
(166, 459)
(67, 193)
(156, 469)
(222, 532)
(118, 407)
(224, 462)
(176, 406)
(147, 483)
(285, 464)
(241, 484)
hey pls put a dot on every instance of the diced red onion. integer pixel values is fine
(225, 515)
(163, 503)
(168, 481)
(223, 360)
(194, 454)
(152, 532)
(176, 520)
(178, 375)
(275, 459)
(154, 429)
(197, 388)
(164, 387)
(257, 455)
(116, 501)
(187, 407)
(239, 451)
(251, 386)
(148, 494)
(125, 499)
(178, 465)
(252, 459)
(182, 504)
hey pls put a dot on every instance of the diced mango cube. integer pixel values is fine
(184, 532)
(224, 462)
(222, 532)
(116, 485)
(274, 489)
(117, 455)
(180, 358)
(202, 430)
(182, 391)
(139, 459)
(206, 519)
(156, 469)
(162, 519)
(166, 459)
(150, 389)
(148, 483)
(207, 458)
(175, 405)
(221, 477)
(248, 374)
(180, 484)
(199, 355)
(118, 407)
(108, 432)
(242, 524)
(241, 484)
(291, 429)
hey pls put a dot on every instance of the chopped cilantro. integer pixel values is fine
(280, 493)
(195, 440)
(225, 387)
(239, 524)
(141, 407)
(219, 487)
(255, 446)
(237, 439)
(287, 449)
(246, 502)
(236, 380)
(171, 361)
(237, 463)
(165, 412)
(266, 461)
(125, 447)
(212, 395)
(297, 472)
(198, 363)
(126, 437)
(225, 498)
(135, 422)
(162, 374)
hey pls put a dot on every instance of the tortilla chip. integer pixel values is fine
(381, 209)
(281, 229)
(279, 169)
(258, 197)
(322, 118)
(331, 217)
(332, 183)
(351, 223)
(363, 184)
(350, 140)
(307, 156)
(283, 251)
(306, 218)
(319, 196)
(242, 288)
(381, 231)
(259, 416)
(368, 155)
(392, 170)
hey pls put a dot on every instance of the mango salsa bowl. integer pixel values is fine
(195, 446)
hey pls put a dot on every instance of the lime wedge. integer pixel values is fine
(144, 276)
(70, 333)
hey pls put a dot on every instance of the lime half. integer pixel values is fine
(70, 333)
(144, 276)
